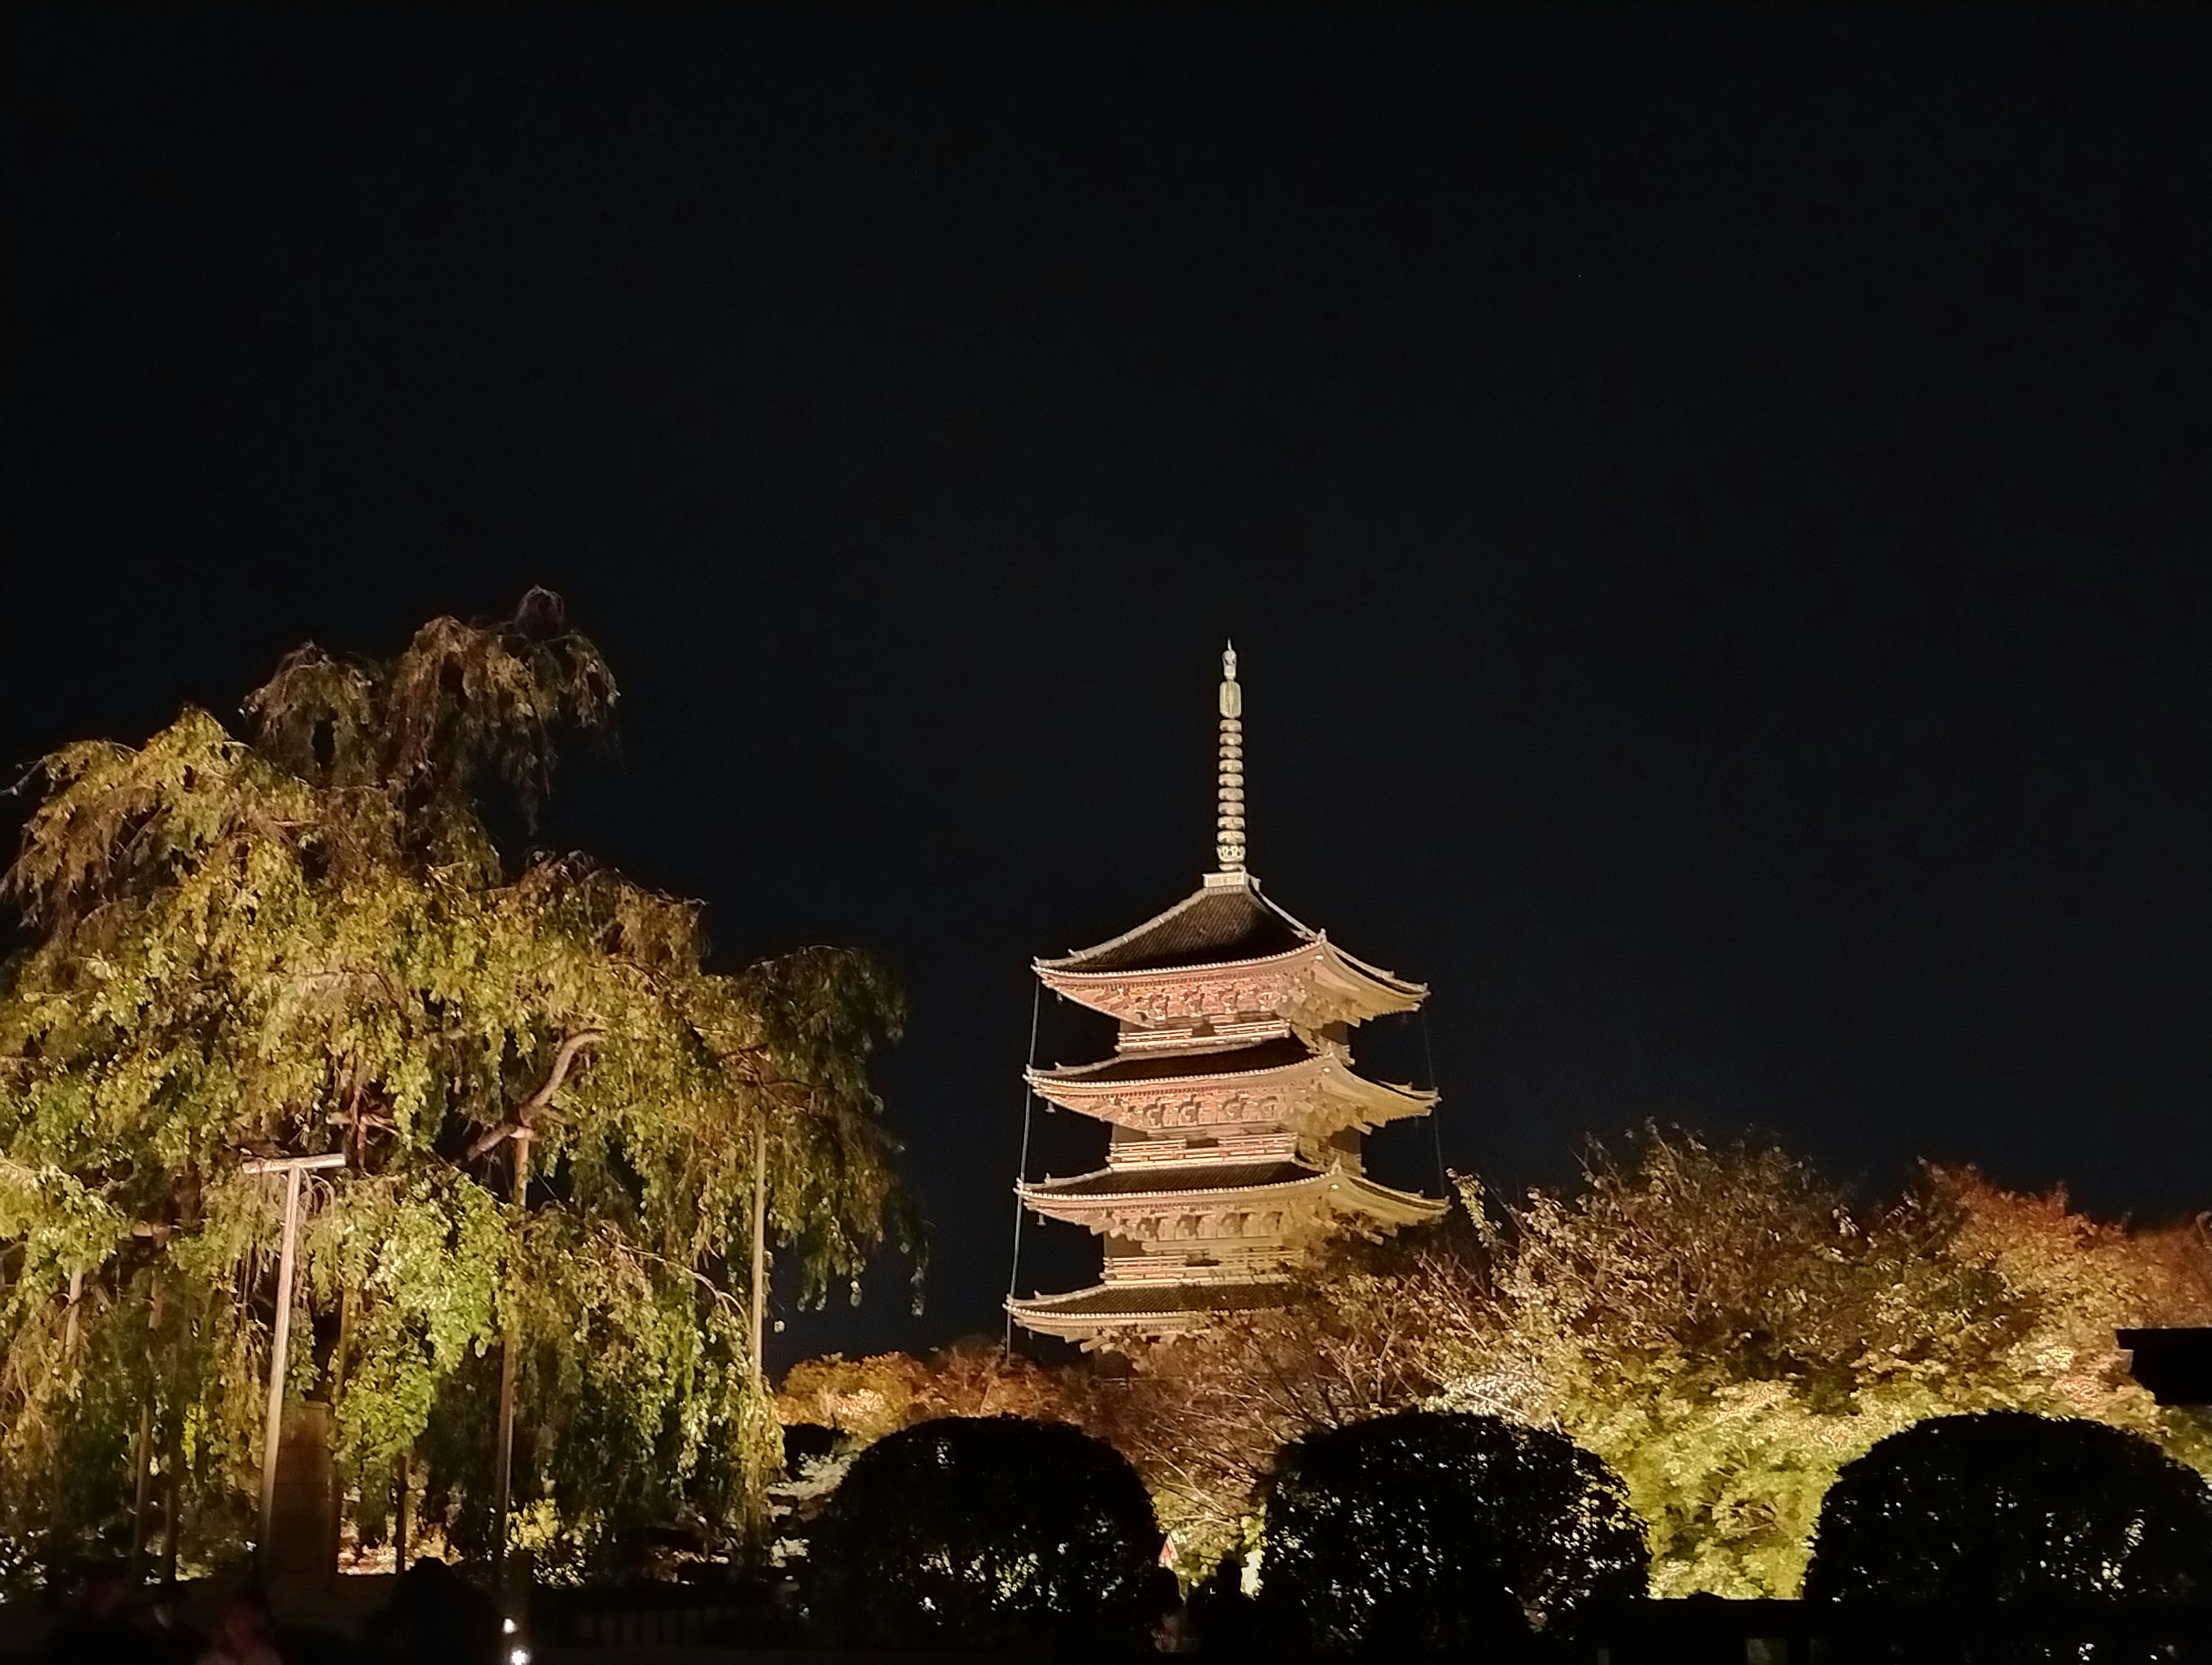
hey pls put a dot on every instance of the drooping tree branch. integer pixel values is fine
(527, 1112)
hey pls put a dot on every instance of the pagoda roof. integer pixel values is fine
(1151, 1306)
(1219, 923)
(1165, 1065)
(1174, 1179)
(1227, 944)
(1309, 1086)
(1135, 1299)
(1110, 1191)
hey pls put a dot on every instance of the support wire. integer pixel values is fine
(1443, 1179)
(1022, 1169)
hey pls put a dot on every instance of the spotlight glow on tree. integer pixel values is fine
(313, 938)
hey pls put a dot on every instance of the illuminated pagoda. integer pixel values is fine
(1236, 1114)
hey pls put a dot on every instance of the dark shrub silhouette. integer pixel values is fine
(987, 1533)
(1427, 1534)
(2003, 1506)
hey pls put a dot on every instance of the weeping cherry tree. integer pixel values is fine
(325, 934)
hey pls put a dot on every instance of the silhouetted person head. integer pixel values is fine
(2003, 1506)
(1430, 1534)
(987, 1533)
(1221, 1613)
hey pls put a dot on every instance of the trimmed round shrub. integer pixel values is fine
(986, 1534)
(2008, 1506)
(1430, 1533)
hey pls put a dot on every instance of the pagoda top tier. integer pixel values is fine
(1224, 954)
(1225, 919)
(1226, 964)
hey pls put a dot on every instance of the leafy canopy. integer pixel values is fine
(328, 934)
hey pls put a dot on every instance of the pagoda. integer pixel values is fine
(1236, 1112)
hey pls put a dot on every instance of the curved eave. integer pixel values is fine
(1047, 1190)
(1364, 990)
(1371, 1102)
(1404, 992)
(1354, 1193)
(1084, 1315)
(1399, 1207)
(1057, 977)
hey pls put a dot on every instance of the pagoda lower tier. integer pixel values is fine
(1157, 1311)
(1200, 1234)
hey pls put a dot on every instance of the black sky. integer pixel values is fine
(1713, 507)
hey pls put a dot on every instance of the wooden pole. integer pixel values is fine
(272, 1426)
(173, 1499)
(399, 1514)
(272, 1430)
(143, 1494)
(503, 1477)
(760, 1249)
(337, 1529)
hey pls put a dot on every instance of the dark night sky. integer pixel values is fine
(1713, 507)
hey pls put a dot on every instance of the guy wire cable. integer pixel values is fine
(1022, 1169)
(1443, 1181)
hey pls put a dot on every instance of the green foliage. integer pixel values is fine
(1426, 1533)
(986, 1534)
(316, 938)
(1728, 1330)
(2006, 1506)
(1719, 1324)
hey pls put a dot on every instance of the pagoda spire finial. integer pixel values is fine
(1228, 823)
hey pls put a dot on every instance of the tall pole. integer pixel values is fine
(760, 1248)
(399, 1509)
(503, 1477)
(141, 1494)
(272, 1428)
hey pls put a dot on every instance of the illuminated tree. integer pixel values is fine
(1370, 1329)
(2004, 1506)
(1728, 1330)
(324, 936)
(986, 1534)
(1718, 1324)
(1427, 1534)
(865, 1399)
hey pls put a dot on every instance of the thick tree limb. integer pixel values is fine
(491, 1139)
